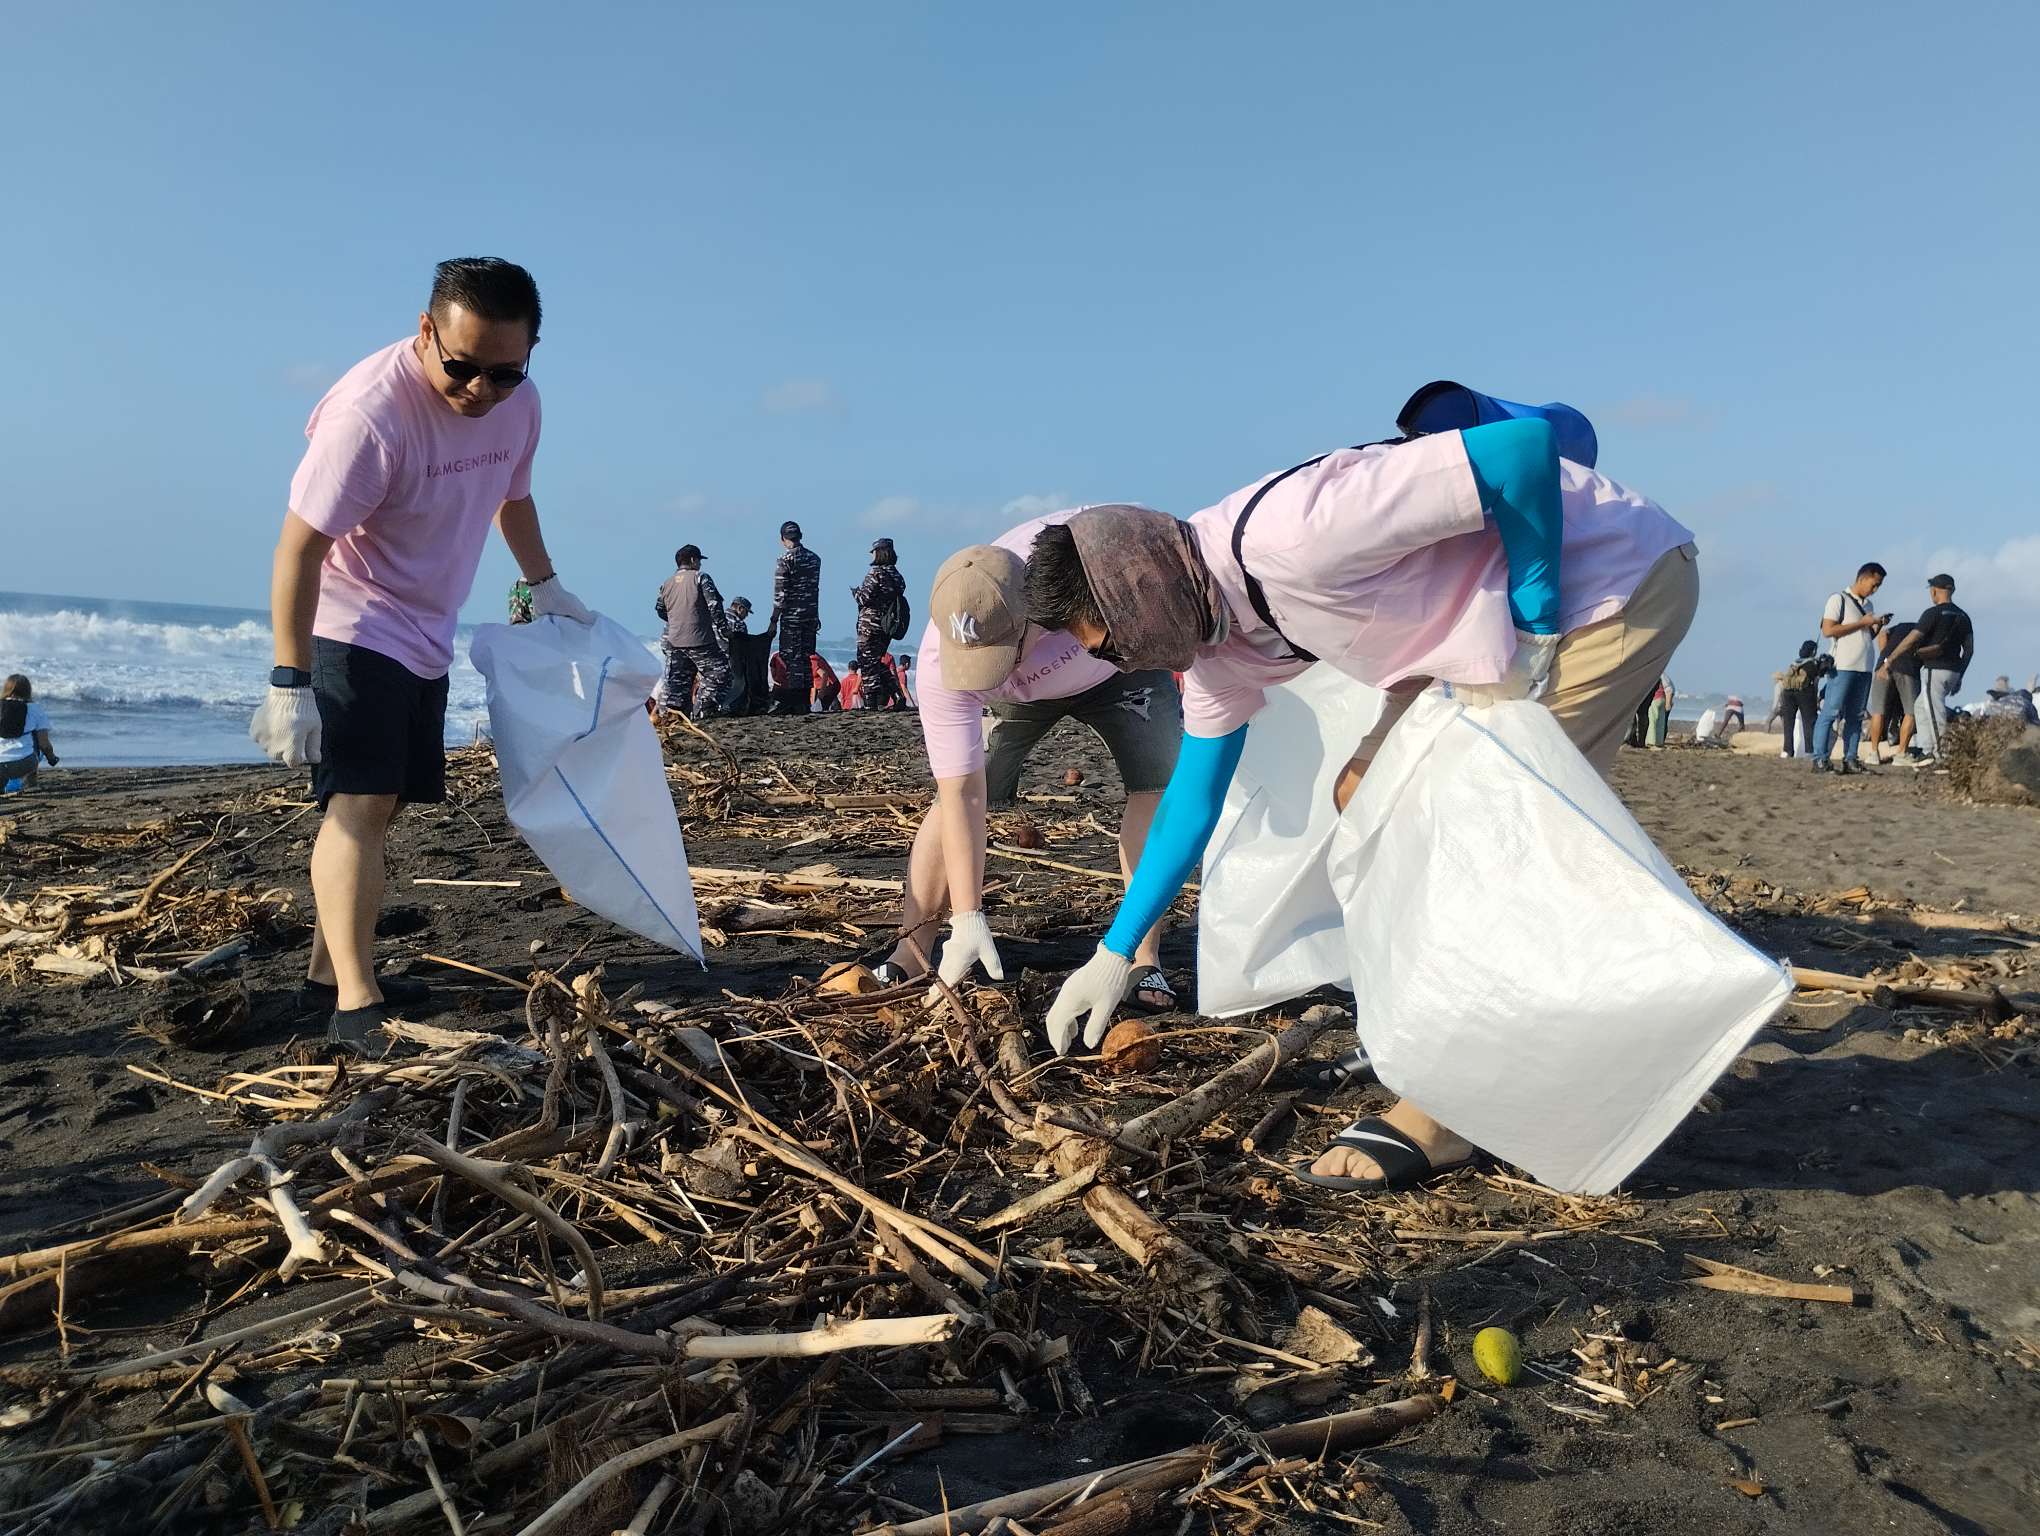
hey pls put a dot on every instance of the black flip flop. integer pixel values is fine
(1402, 1161)
(1353, 1067)
(1150, 979)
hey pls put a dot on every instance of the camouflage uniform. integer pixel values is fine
(875, 597)
(796, 603)
(695, 646)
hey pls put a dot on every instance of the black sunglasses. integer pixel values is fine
(461, 371)
(1106, 651)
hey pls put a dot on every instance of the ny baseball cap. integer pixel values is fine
(688, 552)
(1944, 581)
(789, 529)
(979, 607)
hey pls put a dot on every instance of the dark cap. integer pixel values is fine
(884, 544)
(1944, 581)
(687, 552)
(789, 529)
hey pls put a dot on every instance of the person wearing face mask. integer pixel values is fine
(414, 455)
(991, 687)
(1476, 557)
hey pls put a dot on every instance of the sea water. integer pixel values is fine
(135, 683)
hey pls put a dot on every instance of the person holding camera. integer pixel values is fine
(1851, 628)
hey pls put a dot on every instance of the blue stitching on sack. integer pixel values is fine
(597, 829)
(594, 720)
(1581, 811)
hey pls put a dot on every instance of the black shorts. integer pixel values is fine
(382, 727)
(1138, 715)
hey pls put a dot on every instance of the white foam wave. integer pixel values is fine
(70, 632)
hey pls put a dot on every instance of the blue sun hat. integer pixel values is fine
(1444, 406)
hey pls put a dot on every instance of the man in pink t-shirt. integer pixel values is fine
(979, 655)
(1473, 557)
(414, 454)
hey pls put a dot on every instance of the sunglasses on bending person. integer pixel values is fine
(461, 371)
(1106, 651)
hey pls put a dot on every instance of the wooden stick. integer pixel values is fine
(1747, 1282)
(438, 1488)
(830, 1337)
(1265, 1127)
(1992, 1002)
(1044, 1197)
(556, 1514)
(704, 875)
(1177, 1118)
(237, 1431)
(269, 1325)
(480, 885)
(1313, 1437)
(488, 1176)
(940, 1237)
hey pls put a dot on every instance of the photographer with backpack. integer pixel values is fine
(1800, 700)
(883, 616)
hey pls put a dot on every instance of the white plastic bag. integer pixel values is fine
(1529, 968)
(583, 777)
(1269, 928)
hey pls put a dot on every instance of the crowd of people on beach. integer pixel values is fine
(716, 666)
(1882, 681)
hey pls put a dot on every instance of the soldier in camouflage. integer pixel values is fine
(695, 642)
(876, 597)
(796, 613)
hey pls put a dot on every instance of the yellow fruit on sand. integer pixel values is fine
(1498, 1355)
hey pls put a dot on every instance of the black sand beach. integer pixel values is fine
(1872, 1142)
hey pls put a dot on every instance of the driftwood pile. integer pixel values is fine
(697, 1268)
(55, 926)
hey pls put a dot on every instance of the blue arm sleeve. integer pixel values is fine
(1515, 465)
(1183, 825)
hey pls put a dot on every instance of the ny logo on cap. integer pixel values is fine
(963, 629)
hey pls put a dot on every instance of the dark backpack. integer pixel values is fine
(898, 615)
(13, 717)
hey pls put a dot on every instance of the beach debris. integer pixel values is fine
(601, 1262)
(1072, 777)
(1499, 1356)
(1131, 1047)
(1717, 1276)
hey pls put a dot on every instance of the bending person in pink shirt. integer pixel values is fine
(1478, 558)
(979, 655)
(414, 454)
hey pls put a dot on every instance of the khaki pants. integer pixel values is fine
(1601, 673)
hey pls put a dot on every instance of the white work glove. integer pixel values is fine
(1096, 989)
(969, 943)
(1529, 670)
(286, 727)
(550, 597)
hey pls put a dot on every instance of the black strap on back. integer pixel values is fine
(1255, 594)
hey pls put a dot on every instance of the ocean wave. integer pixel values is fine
(71, 632)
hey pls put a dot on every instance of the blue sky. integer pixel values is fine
(922, 269)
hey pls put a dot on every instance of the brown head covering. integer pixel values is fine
(1151, 585)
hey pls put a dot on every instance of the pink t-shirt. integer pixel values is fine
(1054, 667)
(407, 489)
(1380, 561)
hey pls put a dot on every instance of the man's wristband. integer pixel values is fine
(290, 677)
